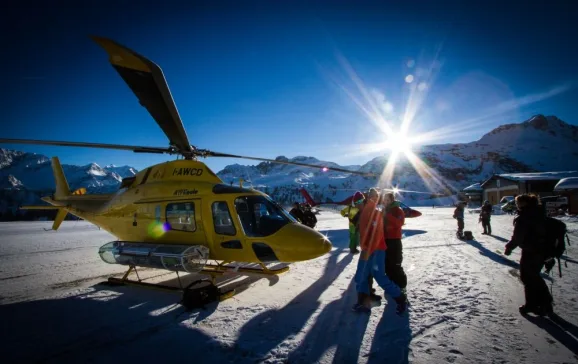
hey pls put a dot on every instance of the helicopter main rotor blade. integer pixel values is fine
(147, 82)
(136, 149)
(216, 154)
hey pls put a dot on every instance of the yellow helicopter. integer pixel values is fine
(178, 215)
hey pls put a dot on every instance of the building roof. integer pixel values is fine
(567, 184)
(537, 176)
(476, 187)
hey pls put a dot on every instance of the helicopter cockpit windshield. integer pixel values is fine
(260, 216)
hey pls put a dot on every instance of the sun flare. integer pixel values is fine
(399, 143)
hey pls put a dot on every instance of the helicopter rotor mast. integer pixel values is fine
(148, 83)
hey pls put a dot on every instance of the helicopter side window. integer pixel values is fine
(260, 216)
(181, 216)
(222, 219)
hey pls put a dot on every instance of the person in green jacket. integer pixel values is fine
(352, 213)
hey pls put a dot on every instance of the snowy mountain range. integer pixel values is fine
(540, 144)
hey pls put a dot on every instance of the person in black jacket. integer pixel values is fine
(530, 235)
(297, 213)
(309, 217)
(485, 216)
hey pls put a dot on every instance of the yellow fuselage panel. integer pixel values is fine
(177, 171)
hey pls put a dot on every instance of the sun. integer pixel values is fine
(399, 143)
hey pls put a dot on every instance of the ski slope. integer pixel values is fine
(464, 296)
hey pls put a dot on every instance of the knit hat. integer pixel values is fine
(358, 197)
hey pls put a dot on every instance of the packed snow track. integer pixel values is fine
(464, 304)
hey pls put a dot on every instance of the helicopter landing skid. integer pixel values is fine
(192, 297)
(199, 296)
(215, 270)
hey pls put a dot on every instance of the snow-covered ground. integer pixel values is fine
(464, 297)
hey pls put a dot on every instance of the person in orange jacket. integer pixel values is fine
(372, 258)
(393, 221)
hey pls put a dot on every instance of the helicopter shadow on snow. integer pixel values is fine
(105, 324)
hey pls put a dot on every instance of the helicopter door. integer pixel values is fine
(227, 238)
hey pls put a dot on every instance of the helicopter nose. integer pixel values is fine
(297, 242)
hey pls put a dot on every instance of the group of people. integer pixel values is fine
(484, 217)
(530, 235)
(304, 214)
(375, 225)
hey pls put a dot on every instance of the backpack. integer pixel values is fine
(200, 296)
(555, 243)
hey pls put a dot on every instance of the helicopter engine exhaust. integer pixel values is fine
(184, 258)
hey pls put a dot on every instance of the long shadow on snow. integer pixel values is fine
(271, 328)
(499, 258)
(339, 238)
(559, 329)
(392, 337)
(504, 240)
(406, 233)
(107, 324)
(335, 326)
(430, 246)
(566, 259)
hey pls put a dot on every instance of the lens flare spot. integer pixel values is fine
(422, 86)
(388, 107)
(324, 169)
(409, 78)
(157, 229)
(410, 63)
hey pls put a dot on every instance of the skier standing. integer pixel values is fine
(485, 216)
(352, 213)
(530, 235)
(393, 221)
(372, 259)
(459, 215)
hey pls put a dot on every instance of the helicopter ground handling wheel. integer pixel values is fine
(202, 291)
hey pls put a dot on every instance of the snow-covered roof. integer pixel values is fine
(473, 188)
(539, 176)
(570, 183)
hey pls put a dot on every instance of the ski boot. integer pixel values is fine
(373, 296)
(362, 304)
(526, 309)
(402, 304)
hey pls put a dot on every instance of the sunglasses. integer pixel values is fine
(358, 202)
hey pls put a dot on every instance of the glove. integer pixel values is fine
(508, 251)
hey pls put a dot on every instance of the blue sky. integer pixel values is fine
(269, 80)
